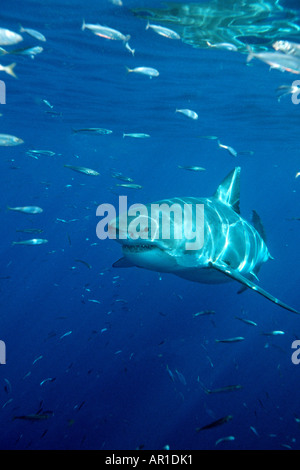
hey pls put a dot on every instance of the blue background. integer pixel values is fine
(112, 389)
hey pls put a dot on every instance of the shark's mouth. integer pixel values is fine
(138, 248)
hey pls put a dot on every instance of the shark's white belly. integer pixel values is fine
(203, 275)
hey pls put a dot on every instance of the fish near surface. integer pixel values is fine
(277, 60)
(232, 248)
(231, 21)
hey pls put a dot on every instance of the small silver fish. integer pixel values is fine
(105, 32)
(7, 140)
(83, 262)
(144, 71)
(92, 130)
(230, 340)
(132, 51)
(204, 312)
(254, 431)
(53, 113)
(34, 241)
(277, 60)
(188, 112)
(181, 377)
(273, 333)
(37, 359)
(34, 417)
(30, 51)
(162, 31)
(284, 90)
(229, 149)
(66, 334)
(49, 379)
(27, 209)
(209, 137)
(48, 153)
(47, 103)
(223, 45)
(82, 169)
(216, 423)
(229, 388)
(7, 402)
(33, 33)
(224, 439)
(170, 374)
(191, 168)
(130, 185)
(30, 230)
(8, 38)
(121, 177)
(248, 322)
(136, 135)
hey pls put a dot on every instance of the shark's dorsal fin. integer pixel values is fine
(229, 190)
(233, 274)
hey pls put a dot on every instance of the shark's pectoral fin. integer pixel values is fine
(122, 263)
(247, 283)
(254, 277)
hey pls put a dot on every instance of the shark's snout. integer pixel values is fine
(112, 229)
(122, 233)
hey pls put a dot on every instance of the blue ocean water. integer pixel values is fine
(128, 360)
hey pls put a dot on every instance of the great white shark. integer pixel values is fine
(232, 248)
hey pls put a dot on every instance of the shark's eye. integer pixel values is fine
(146, 229)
